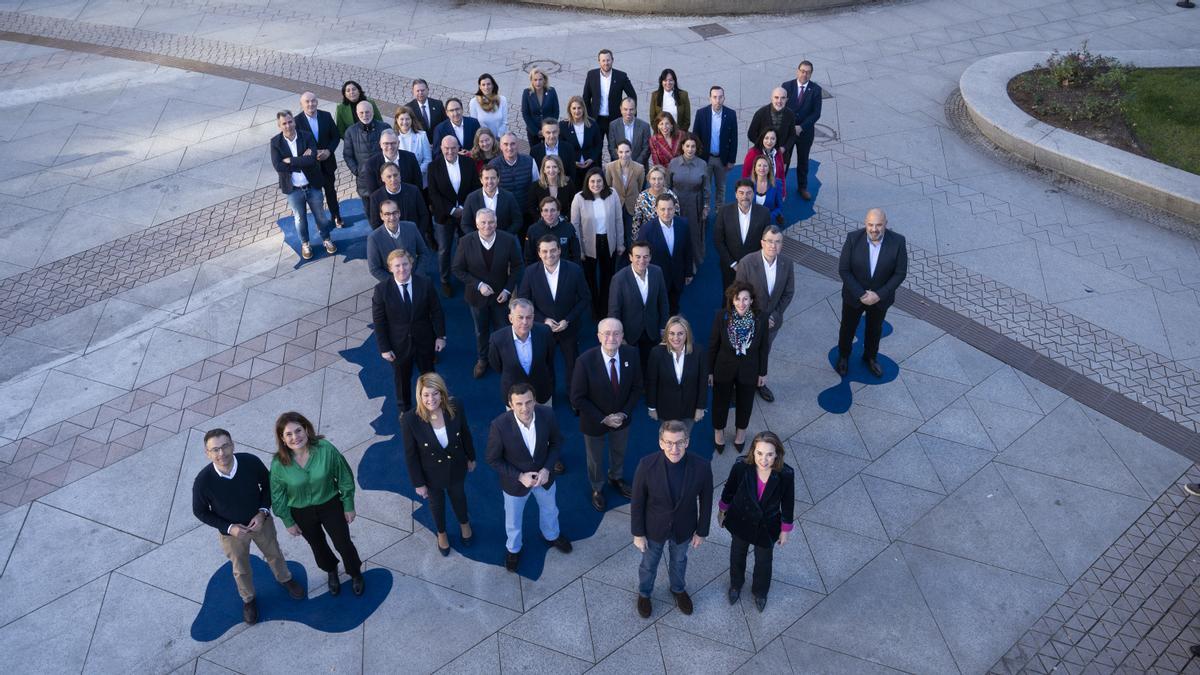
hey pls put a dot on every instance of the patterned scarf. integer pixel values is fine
(741, 331)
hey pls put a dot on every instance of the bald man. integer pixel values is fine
(873, 264)
(774, 115)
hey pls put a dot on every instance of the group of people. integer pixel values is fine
(531, 277)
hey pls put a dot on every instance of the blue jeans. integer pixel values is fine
(514, 513)
(307, 199)
(676, 567)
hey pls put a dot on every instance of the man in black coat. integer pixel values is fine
(872, 266)
(670, 248)
(488, 263)
(409, 325)
(551, 145)
(390, 153)
(491, 196)
(360, 145)
(324, 130)
(638, 299)
(523, 443)
(738, 229)
(603, 90)
(451, 180)
(774, 115)
(550, 223)
(523, 352)
(560, 297)
(804, 100)
(405, 196)
(430, 111)
(671, 508)
(605, 387)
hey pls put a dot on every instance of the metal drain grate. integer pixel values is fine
(710, 30)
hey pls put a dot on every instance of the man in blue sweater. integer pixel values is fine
(233, 495)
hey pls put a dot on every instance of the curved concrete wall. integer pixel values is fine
(700, 7)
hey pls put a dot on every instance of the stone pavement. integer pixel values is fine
(962, 517)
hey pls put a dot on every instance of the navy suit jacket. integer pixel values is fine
(533, 113)
(637, 317)
(591, 147)
(306, 165)
(502, 357)
(619, 89)
(507, 454)
(470, 268)
(678, 266)
(470, 126)
(702, 127)
(807, 111)
(591, 389)
(404, 332)
(442, 197)
(437, 115)
(410, 170)
(571, 302)
(854, 267)
(327, 137)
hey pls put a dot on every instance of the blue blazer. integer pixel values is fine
(678, 266)
(807, 111)
(773, 200)
(533, 113)
(470, 126)
(591, 147)
(702, 127)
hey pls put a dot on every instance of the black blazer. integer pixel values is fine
(725, 365)
(568, 241)
(808, 111)
(470, 127)
(408, 200)
(676, 267)
(785, 133)
(620, 88)
(727, 232)
(502, 356)
(429, 464)
(502, 275)
(854, 267)
(571, 302)
(654, 516)
(437, 115)
(507, 454)
(306, 165)
(508, 212)
(589, 149)
(410, 170)
(591, 389)
(442, 195)
(637, 317)
(727, 143)
(568, 152)
(405, 332)
(533, 200)
(327, 137)
(670, 398)
(758, 521)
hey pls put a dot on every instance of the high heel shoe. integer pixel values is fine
(444, 551)
(468, 534)
(740, 447)
(719, 445)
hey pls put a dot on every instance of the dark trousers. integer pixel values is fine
(673, 295)
(743, 402)
(375, 221)
(728, 275)
(800, 148)
(594, 446)
(402, 372)
(850, 316)
(490, 318)
(458, 502)
(568, 343)
(738, 549)
(627, 226)
(328, 518)
(599, 273)
(602, 122)
(329, 169)
(644, 344)
(445, 234)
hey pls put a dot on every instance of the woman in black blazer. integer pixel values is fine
(737, 361)
(439, 452)
(583, 135)
(538, 102)
(676, 377)
(757, 506)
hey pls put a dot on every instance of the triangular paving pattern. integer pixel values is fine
(687, 653)
(881, 430)
(823, 470)
(834, 432)
(939, 360)
(609, 612)
(519, 656)
(839, 554)
(559, 622)
(127, 612)
(906, 463)
(958, 423)
(848, 508)
(898, 506)
(55, 638)
(714, 616)
(1005, 387)
(1002, 423)
(891, 397)
(1153, 465)
(639, 655)
(785, 604)
(931, 394)
(953, 462)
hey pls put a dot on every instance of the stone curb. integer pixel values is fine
(984, 87)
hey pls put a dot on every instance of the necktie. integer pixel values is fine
(425, 113)
(404, 294)
(612, 376)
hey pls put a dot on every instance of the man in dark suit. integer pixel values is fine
(560, 297)
(774, 115)
(804, 100)
(522, 352)
(491, 196)
(629, 128)
(409, 325)
(294, 156)
(523, 444)
(671, 508)
(739, 229)
(638, 299)
(361, 144)
(430, 111)
(324, 130)
(603, 90)
(551, 145)
(670, 248)
(716, 129)
(396, 233)
(774, 283)
(488, 263)
(451, 179)
(605, 387)
(390, 153)
(405, 196)
(873, 264)
(458, 125)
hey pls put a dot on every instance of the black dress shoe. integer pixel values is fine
(598, 501)
(511, 560)
(766, 394)
(358, 584)
(643, 607)
(468, 540)
(335, 584)
(760, 603)
(250, 612)
(559, 468)
(621, 486)
(684, 602)
(562, 543)
(873, 366)
(294, 589)
(843, 366)
(734, 595)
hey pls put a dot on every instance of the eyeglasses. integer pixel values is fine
(224, 447)
(677, 445)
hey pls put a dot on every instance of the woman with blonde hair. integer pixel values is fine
(656, 178)
(768, 190)
(538, 102)
(486, 148)
(676, 377)
(553, 181)
(583, 135)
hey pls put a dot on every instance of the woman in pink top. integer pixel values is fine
(757, 505)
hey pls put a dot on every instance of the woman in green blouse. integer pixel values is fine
(343, 115)
(312, 491)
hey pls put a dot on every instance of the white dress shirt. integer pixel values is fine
(677, 361)
(643, 284)
(528, 434)
(232, 470)
(873, 251)
(669, 235)
(600, 214)
(670, 106)
(744, 223)
(490, 202)
(552, 279)
(605, 87)
(454, 171)
(770, 268)
(299, 180)
(611, 360)
(442, 437)
(524, 350)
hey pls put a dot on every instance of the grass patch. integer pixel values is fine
(1162, 106)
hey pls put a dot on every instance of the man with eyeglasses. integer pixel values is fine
(233, 496)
